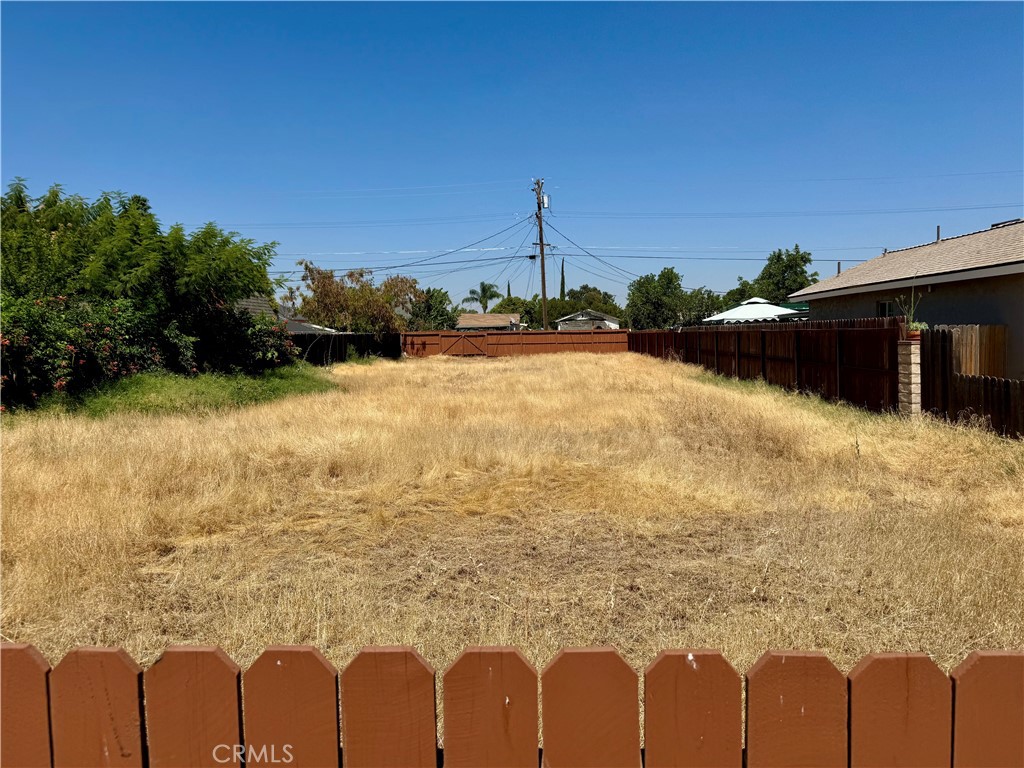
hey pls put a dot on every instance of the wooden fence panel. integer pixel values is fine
(796, 712)
(692, 712)
(780, 358)
(24, 707)
(901, 712)
(490, 710)
(290, 707)
(868, 368)
(193, 713)
(988, 723)
(387, 710)
(591, 710)
(96, 710)
(750, 351)
(728, 354)
(819, 363)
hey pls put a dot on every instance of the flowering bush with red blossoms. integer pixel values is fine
(58, 344)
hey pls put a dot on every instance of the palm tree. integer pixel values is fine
(484, 296)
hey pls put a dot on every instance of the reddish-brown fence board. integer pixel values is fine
(192, 708)
(512, 343)
(901, 712)
(796, 712)
(988, 723)
(96, 710)
(490, 710)
(24, 707)
(591, 710)
(387, 710)
(290, 709)
(692, 712)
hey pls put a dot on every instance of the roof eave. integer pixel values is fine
(955, 276)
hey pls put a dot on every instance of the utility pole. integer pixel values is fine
(538, 187)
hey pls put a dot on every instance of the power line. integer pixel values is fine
(620, 269)
(694, 258)
(777, 214)
(368, 223)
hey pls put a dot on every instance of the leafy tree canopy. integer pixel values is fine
(354, 302)
(784, 273)
(655, 301)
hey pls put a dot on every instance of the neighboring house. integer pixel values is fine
(977, 278)
(296, 325)
(488, 322)
(587, 320)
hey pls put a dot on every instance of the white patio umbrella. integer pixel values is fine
(753, 310)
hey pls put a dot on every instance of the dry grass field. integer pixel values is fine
(542, 502)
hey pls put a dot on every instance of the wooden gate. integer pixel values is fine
(464, 344)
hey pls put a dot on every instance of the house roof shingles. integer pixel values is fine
(587, 314)
(474, 320)
(994, 247)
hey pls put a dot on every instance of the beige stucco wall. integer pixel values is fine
(988, 301)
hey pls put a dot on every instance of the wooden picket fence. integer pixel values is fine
(195, 707)
(851, 360)
(511, 343)
(961, 377)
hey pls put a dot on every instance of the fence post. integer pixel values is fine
(909, 355)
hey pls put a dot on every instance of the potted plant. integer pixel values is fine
(914, 327)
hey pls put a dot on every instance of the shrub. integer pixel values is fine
(56, 344)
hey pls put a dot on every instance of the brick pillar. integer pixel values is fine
(910, 377)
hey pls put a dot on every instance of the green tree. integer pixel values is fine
(528, 311)
(699, 304)
(561, 290)
(484, 295)
(71, 267)
(353, 302)
(784, 273)
(589, 297)
(432, 311)
(655, 301)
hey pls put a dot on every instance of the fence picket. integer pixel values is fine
(901, 712)
(24, 707)
(387, 709)
(290, 708)
(192, 709)
(96, 709)
(796, 712)
(988, 723)
(692, 712)
(591, 710)
(490, 710)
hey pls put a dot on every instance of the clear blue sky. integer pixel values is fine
(428, 122)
